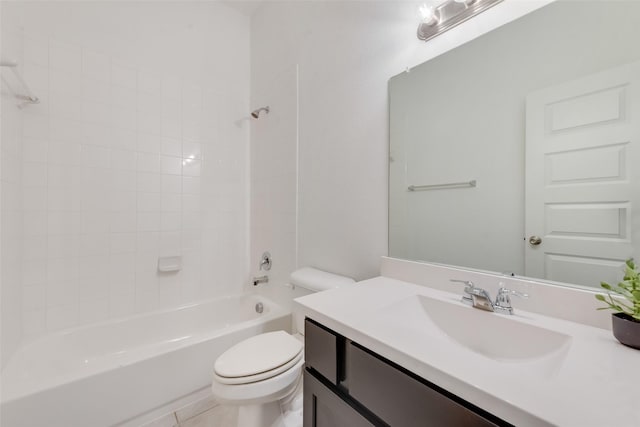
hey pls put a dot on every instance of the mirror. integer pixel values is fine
(543, 116)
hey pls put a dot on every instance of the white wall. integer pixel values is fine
(137, 150)
(346, 52)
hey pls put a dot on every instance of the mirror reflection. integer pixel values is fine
(517, 152)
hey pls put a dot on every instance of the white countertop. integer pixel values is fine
(594, 382)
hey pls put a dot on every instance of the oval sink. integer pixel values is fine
(493, 335)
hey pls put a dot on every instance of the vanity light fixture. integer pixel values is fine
(440, 16)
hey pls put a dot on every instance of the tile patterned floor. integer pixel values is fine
(204, 413)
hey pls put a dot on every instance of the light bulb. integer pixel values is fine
(429, 15)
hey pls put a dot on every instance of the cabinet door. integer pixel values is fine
(323, 408)
(321, 349)
(403, 401)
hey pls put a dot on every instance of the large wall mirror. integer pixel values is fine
(518, 151)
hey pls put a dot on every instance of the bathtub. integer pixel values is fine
(107, 373)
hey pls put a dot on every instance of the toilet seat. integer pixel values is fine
(260, 376)
(258, 358)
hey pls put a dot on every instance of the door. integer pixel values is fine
(581, 178)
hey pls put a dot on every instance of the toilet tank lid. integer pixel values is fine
(318, 280)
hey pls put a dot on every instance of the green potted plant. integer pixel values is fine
(626, 320)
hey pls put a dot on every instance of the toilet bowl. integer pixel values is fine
(263, 374)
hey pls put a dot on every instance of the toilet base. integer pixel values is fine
(258, 415)
(285, 412)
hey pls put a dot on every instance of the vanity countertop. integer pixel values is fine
(590, 381)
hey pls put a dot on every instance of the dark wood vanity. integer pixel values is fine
(347, 385)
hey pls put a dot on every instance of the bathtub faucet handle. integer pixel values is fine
(260, 279)
(265, 261)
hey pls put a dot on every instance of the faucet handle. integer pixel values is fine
(468, 283)
(503, 299)
(504, 292)
(468, 290)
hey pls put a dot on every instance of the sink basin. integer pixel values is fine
(496, 336)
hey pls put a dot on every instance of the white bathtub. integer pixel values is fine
(104, 374)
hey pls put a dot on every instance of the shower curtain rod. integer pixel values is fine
(29, 96)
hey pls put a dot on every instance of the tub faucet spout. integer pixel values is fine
(260, 279)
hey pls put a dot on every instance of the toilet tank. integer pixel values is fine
(310, 280)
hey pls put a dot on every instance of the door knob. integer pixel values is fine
(535, 240)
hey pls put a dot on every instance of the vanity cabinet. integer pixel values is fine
(348, 385)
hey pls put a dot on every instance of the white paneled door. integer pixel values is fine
(583, 177)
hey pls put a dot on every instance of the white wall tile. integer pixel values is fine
(124, 98)
(34, 272)
(96, 244)
(171, 203)
(34, 174)
(171, 221)
(34, 297)
(63, 199)
(95, 90)
(172, 184)
(63, 291)
(149, 202)
(121, 305)
(124, 118)
(93, 310)
(150, 122)
(148, 162)
(38, 78)
(171, 146)
(122, 243)
(94, 222)
(62, 317)
(35, 248)
(123, 222)
(34, 199)
(150, 182)
(148, 221)
(96, 65)
(171, 165)
(94, 157)
(65, 82)
(65, 57)
(123, 75)
(149, 142)
(191, 150)
(62, 246)
(148, 243)
(123, 159)
(171, 89)
(34, 223)
(191, 185)
(34, 323)
(191, 167)
(35, 126)
(36, 50)
(61, 105)
(123, 180)
(149, 83)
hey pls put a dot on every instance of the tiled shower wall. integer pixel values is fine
(10, 203)
(131, 157)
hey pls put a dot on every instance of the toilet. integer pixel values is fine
(263, 374)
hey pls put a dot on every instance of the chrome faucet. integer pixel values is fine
(479, 298)
(260, 279)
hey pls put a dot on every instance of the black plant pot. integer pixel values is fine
(626, 329)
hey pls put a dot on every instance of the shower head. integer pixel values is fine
(256, 113)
